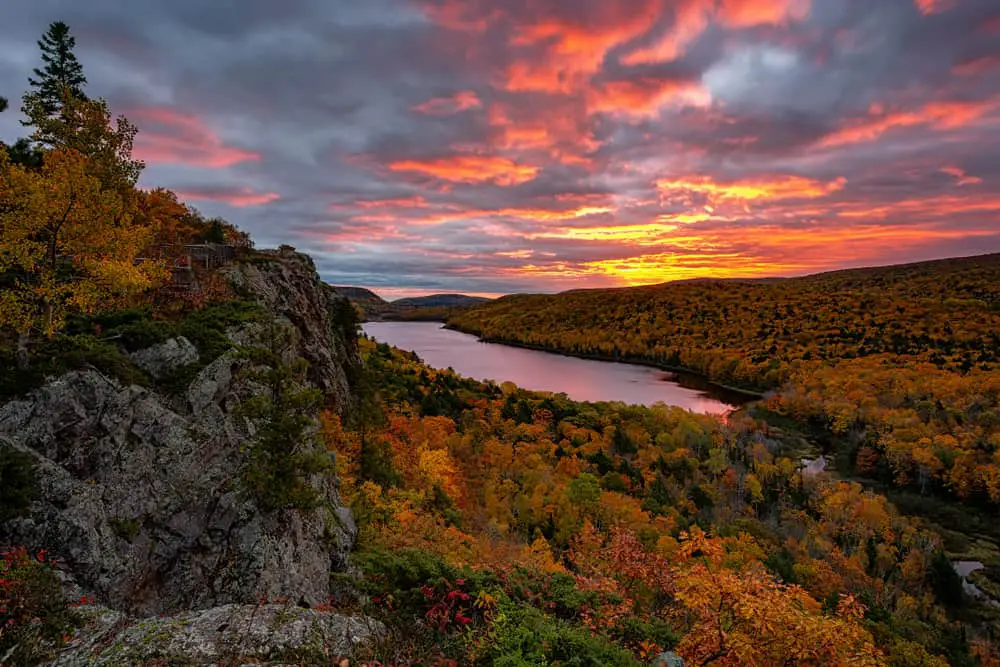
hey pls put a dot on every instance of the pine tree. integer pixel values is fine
(63, 75)
(3, 104)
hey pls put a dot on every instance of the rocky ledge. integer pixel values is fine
(139, 497)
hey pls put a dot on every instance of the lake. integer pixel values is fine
(580, 379)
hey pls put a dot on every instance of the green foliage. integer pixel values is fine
(632, 631)
(87, 126)
(104, 339)
(523, 636)
(206, 328)
(61, 355)
(946, 583)
(25, 153)
(283, 455)
(585, 490)
(18, 487)
(526, 621)
(556, 593)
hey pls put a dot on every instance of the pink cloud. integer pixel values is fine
(238, 197)
(168, 136)
(443, 106)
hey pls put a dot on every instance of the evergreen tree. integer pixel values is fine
(3, 104)
(62, 76)
(284, 455)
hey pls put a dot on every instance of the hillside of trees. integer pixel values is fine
(900, 365)
(525, 528)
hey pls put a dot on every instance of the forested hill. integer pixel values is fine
(753, 334)
(899, 366)
(436, 307)
(440, 301)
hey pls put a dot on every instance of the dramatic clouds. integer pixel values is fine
(510, 145)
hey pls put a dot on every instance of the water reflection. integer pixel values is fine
(964, 568)
(580, 379)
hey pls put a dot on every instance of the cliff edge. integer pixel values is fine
(139, 497)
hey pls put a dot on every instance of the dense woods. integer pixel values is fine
(492, 511)
(899, 363)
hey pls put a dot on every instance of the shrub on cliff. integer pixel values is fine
(34, 616)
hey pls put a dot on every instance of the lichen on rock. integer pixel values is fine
(167, 357)
(229, 634)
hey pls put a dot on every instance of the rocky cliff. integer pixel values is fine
(139, 495)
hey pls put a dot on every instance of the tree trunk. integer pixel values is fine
(21, 356)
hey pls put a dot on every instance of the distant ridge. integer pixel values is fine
(440, 301)
(434, 307)
(359, 294)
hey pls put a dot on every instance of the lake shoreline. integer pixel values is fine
(580, 378)
(749, 394)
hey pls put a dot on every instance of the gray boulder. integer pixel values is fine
(167, 357)
(668, 659)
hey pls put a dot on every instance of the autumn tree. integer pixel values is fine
(748, 618)
(69, 245)
(62, 76)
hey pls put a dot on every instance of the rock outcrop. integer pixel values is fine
(163, 359)
(139, 492)
(288, 286)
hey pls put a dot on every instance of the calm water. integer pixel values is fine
(580, 379)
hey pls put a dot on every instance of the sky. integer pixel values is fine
(495, 146)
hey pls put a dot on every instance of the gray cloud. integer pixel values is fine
(294, 117)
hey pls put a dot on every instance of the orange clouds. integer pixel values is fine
(937, 115)
(770, 188)
(442, 106)
(644, 96)
(639, 235)
(765, 250)
(750, 13)
(470, 169)
(694, 125)
(977, 66)
(169, 136)
(692, 18)
(573, 47)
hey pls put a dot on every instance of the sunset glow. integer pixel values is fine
(502, 146)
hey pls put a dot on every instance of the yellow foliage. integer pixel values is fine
(69, 244)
